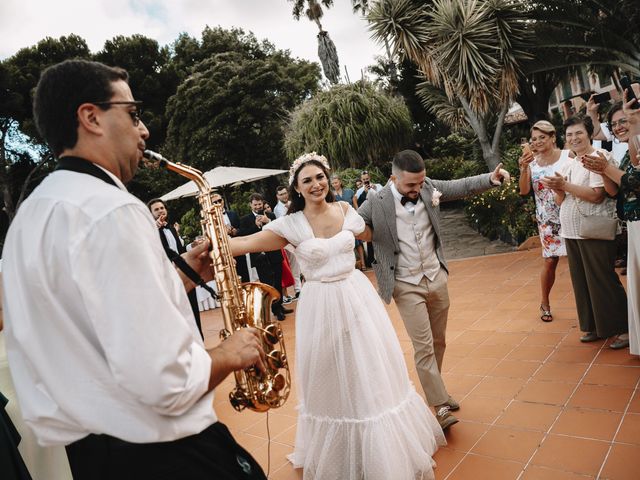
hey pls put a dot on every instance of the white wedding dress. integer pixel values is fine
(360, 417)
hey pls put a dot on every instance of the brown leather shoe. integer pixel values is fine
(453, 405)
(444, 417)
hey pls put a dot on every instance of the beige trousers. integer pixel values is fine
(424, 309)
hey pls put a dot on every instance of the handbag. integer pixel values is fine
(596, 227)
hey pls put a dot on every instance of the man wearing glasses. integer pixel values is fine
(102, 348)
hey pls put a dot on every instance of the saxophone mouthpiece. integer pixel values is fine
(154, 159)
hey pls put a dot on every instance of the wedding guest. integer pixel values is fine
(601, 301)
(547, 160)
(625, 122)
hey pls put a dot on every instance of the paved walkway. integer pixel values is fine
(535, 402)
(462, 241)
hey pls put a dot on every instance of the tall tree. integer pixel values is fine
(152, 77)
(469, 51)
(403, 80)
(326, 48)
(230, 110)
(19, 75)
(353, 125)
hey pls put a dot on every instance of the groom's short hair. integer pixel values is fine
(407, 161)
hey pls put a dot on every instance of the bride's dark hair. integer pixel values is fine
(297, 200)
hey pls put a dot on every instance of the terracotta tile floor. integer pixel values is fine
(536, 403)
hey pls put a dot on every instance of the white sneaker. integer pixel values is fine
(286, 300)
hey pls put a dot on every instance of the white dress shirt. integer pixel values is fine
(417, 257)
(99, 332)
(171, 240)
(280, 209)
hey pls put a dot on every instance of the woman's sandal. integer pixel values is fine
(546, 314)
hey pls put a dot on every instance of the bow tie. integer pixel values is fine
(404, 200)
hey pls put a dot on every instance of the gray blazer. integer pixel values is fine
(379, 212)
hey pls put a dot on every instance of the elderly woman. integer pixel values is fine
(625, 122)
(600, 297)
(548, 159)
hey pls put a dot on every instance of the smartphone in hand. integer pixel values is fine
(602, 97)
(526, 149)
(625, 83)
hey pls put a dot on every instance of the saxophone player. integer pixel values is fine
(103, 363)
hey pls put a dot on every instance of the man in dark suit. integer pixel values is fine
(232, 222)
(173, 246)
(268, 264)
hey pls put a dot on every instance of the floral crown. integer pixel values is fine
(301, 160)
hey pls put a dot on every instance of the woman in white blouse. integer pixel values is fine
(601, 301)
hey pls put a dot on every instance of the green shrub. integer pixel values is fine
(450, 168)
(503, 212)
(190, 225)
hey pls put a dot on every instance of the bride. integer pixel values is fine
(359, 415)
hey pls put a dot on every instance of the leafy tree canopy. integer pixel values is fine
(230, 109)
(353, 125)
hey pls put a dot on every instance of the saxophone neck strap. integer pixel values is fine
(81, 165)
(192, 274)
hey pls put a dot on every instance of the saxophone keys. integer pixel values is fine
(271, 334)
(276, 359)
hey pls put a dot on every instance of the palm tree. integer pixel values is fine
(473, 53)
(469, 52)
(326, 48)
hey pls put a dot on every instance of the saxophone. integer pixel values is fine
(243, 305)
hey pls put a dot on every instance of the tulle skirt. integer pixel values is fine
(359, 415)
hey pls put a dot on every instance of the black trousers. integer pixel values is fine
(601, 300)
(211, 454)
(370, 255)
(272, 275)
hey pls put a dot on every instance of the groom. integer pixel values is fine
(409, 261)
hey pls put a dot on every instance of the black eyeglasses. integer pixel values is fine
(134, 114)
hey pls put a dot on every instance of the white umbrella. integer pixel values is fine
(221, 176)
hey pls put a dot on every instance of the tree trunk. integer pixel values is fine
(490, 149)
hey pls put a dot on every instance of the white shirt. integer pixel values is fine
(171, 240)
(99, 332)
(280, 209)
(571, 207)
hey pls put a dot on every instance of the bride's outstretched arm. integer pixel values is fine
(366, 234)
(264, 241)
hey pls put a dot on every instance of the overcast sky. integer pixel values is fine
(24, 22)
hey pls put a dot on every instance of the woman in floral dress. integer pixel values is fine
(547, 160)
